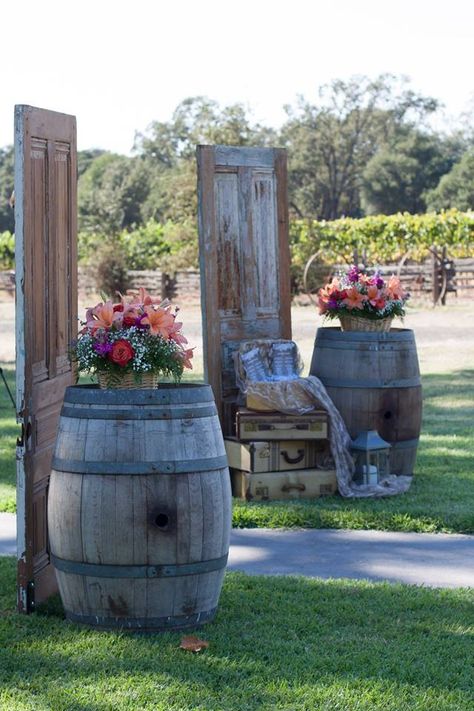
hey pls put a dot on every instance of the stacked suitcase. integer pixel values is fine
(277, 456)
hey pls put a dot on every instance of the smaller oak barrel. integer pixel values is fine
(373, 379)
(139, 508)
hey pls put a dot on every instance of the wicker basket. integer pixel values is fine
(356, 323)
(128, 382)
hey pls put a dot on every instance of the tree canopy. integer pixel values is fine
(362, 147)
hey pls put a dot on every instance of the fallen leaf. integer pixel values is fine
(193, 644)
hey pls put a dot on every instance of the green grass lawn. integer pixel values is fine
(277, 643)
(9, 432)
(441, 497)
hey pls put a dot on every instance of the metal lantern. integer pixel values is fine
(371, 457)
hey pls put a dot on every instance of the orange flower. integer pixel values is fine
(325, 294)
(395, 289)
(372, 295)
(176, 335)
(322, 304)
(186, 356)
(143, 298)
(160, 320)
(354, 299)
(102, 316)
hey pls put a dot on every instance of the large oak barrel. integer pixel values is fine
(139, 508)
(374, 381)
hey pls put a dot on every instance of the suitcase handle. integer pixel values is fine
(293, 460)
(282, 426)
(289, 487)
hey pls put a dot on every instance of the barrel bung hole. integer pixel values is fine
(162, 520)
(387, 415)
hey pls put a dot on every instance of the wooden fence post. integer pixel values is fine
(436, 288)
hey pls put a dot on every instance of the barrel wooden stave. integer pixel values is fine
(351, 364)
(144, 520)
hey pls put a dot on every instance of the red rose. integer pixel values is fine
(118, 307)
(128, 321)
(121, 353)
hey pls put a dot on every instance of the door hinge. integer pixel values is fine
(30, 596)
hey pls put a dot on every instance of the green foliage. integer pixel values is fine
(143, 247)
(384, 239)
(167, 247)
(168, 151)
(111, 273)
(85, 158)
(182, 241)
(111, 192)
(456, 188)
(398, 177)
(7, 250)
(7, 218)
(277, 644)
(331, 142)
(9, 431)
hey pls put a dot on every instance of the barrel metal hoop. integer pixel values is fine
(174, 570)
(406, 444)
(361, 347)
(165, 394)
(134, 413)
(143, 624)
(343, 383)
(185, 466)
(336, 336)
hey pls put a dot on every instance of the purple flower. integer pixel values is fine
(102, 348)
(353, 274)
(332, 303)
(139, 324)
(379, 283)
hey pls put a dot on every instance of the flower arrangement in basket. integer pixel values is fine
(130, 344)
(363, 301)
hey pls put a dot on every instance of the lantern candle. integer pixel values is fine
(371, 457)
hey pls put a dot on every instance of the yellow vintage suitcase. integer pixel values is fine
(278, 455)
(251, 426)
(272, 486)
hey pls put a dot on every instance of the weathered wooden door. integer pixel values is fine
(244, 258)
(46, 320)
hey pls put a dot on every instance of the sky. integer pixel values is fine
(118, 66)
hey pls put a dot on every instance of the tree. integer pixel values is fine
(397, 178)
(7, 219)
(169, 149)
(331, 143)
(85, 158)
(111, 192)
(456, 189)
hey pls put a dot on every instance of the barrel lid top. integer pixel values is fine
(335, 334)
(165, 394)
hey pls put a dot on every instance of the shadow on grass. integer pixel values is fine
(276, 643)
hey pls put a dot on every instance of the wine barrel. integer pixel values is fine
(139, 507)
(374, 381)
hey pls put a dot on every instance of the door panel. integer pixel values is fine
(244, 254)
(46, 320)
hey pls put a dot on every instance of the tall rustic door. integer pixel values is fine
(46, 320)
(244, 253)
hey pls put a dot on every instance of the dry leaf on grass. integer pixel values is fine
(193, 644)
